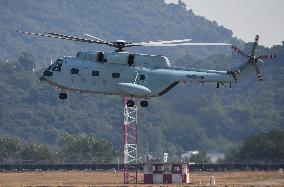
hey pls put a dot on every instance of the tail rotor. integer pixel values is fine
(253, 59)
(254, 45)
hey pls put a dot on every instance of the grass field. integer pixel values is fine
(86, 178)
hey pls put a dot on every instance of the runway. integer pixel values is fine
(91, 178)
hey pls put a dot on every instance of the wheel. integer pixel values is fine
(130, 103)
(63, 95)
(144, 103)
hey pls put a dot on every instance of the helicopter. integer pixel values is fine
(135, 75)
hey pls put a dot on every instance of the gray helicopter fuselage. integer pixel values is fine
(121, 73)
(136, 75)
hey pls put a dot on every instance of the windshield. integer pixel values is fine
(56, 66)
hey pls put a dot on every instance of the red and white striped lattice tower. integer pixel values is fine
(130, 143)
(166, 173)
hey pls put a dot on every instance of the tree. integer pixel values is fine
(9, 147)
(182, 4)
(35, 152)
(83, 148)
(261, 148)
(201, 157)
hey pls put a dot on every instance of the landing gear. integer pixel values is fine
(218, 85)
(144, 103)
(62, 95)
(130, 103)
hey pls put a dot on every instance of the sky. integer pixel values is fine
(245, 18)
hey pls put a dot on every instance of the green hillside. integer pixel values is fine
(189, 117)
(111, 20)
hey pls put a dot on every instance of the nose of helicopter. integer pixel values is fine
(42, 78)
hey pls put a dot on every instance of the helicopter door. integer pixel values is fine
(84, 77)
(96, 73)
(79, 77)
(75, 77)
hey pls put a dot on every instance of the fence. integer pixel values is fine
(116, 167)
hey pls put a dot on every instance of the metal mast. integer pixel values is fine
(130, 143)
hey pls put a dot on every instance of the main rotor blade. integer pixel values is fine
(174, 41)
(259, 76)
(254, 45)
(66, 37)
(75, 37)
(60, 35)
(240, 51)
(163, 42)
(266, 57)
(177, 44)
(98, 39)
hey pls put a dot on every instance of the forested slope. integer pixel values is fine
(189, 117)
(111, 20)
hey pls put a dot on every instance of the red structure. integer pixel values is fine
(130, 143)
(166, 173)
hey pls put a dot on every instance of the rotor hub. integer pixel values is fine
(120, 45)
(253, 59)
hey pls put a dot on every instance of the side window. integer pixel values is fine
(74, 71)
(115, 75)
(95, 73)
(142, 77)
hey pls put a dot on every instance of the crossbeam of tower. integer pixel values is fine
(130, 143)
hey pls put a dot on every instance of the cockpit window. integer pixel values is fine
(51, 66)
(56, 66)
